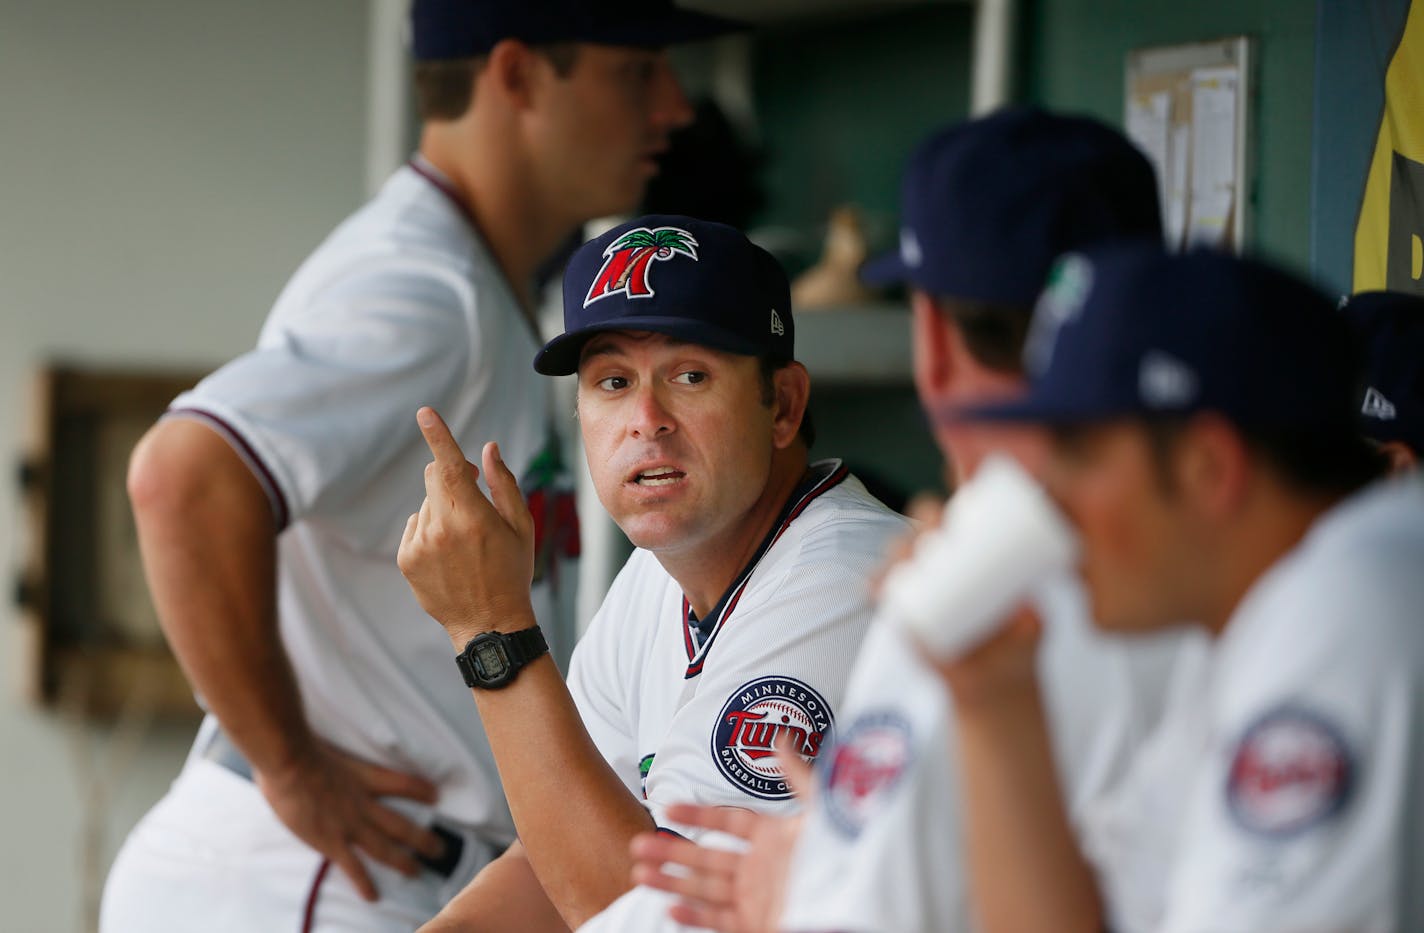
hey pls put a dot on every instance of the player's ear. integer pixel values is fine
(931, 337)
(513, 70)
(1212, 465)
(1400, 456)
(791, 392)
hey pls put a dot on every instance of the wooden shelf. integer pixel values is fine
(861, 345)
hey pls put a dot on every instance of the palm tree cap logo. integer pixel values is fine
(628, 259)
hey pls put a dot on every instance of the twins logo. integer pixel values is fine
(627, 261)
(1291, 771)
(752, 723)
(864, 767)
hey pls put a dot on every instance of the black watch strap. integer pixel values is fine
(525, 645)
(492, 659)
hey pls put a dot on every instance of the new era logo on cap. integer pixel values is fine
(1390, 326)
(777, 327)
(1165, 382)
(910, 252)
(1377, 406)
(628, 261)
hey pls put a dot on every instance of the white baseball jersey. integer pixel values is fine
(402, 306)
(689, 716)
(880, 849)
(1282, 791)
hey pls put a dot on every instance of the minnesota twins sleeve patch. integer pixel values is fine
(865, 765)
(752, 722)
(1291, 771)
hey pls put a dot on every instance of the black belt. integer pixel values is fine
(220, 750)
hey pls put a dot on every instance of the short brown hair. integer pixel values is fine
(994, 332)
(443, 87)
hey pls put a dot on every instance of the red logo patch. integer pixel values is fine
(864, 767)
(753, 722)
(628, 259)
(1291, 771)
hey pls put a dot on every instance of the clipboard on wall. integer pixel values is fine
(1188, 108)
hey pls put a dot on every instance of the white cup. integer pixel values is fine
(1000, 537)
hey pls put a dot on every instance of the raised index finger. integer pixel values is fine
(438, 438)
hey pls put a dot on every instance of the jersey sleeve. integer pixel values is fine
(777, 666)
(879, 847)
(1301, 814)
(328, 397)
(601, 687)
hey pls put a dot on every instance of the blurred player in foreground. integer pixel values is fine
(1202, 410)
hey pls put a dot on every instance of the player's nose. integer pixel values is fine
(648, 415)
(671, 109)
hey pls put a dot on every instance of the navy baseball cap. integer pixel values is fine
(695, 280)
(988, 204)
(443, 29)
(1132, 330)
(1390, 326)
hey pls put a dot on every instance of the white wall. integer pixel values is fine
(164, 165)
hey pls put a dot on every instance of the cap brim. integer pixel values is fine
(885, 269)
(560, 356)
(670, 27)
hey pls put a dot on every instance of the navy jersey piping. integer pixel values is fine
(716, 620)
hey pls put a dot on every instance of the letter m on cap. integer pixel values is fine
(628, 259)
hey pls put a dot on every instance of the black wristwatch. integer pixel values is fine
(492, 659)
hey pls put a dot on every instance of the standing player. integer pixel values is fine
(1391, 326)
(734, 623)
(1205, 446)
(269, 501)
(987, 205)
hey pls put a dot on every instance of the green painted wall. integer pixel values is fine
(1074, 53)
(841, 104)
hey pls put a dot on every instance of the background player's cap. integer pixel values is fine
(1131, 330)
(987, 205)
(443, 29)
(1391, 330)
(695, 280)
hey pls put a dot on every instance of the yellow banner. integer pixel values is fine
(1389, 237)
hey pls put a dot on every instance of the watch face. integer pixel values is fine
(491, 661)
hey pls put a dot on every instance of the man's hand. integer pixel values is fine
(330, 801)
(469, 560)
(999, 671)
(730, 891)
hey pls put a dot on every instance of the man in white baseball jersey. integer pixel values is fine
(1203, 416)
(987, 205)
(734, 623)
(270, 499)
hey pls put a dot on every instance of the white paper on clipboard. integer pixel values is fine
(1213, 179)
(1149, 122)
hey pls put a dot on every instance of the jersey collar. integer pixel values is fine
(438, 180)
(698, 634)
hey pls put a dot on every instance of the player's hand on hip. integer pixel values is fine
(331, 801)
(468, 558)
